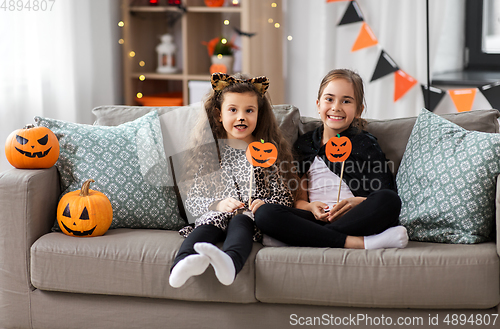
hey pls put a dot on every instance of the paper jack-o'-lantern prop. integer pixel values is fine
(32, 148)
(337, 149)
(84, 213)
(261, 154)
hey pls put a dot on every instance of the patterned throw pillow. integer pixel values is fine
(128, 164)
(447, 181)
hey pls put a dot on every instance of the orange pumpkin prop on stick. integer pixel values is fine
(32, 148)
(85, 212)
(338, 149)
(260, 154)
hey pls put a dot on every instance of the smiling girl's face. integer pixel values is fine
(337, 107)
(239, 115)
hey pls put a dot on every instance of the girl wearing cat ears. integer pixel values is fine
(239, 113)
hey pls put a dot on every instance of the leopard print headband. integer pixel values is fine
(221, 80)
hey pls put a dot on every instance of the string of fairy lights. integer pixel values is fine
(226, 22)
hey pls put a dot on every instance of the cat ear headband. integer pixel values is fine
(221, 80)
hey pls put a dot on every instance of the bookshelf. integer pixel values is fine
(191, 25)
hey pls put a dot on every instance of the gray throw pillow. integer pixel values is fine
(447, 181)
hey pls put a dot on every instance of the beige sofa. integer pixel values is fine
(120, 280)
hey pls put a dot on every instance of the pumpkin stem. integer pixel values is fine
(262, 141)
(85, 187)
(29, 126)
(338, 135)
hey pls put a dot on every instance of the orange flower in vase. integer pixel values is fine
(220, 51)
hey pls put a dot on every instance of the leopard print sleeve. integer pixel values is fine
(272, 188)
(201, 195)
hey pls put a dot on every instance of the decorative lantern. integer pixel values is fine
(166, 55)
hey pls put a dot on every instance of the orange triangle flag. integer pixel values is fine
(463, 98)
(402, 83)
(365, 39)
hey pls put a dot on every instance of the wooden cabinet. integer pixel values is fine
(191, 25)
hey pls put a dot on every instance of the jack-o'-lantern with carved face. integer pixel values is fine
(338, 149)
(32, 147)
(261, 154)
(85, 212)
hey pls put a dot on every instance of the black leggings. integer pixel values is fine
(237, 243)
(297, 227)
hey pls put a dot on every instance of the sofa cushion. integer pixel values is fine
(447, 182)
(127, 163)
(423, 275)
(130, 263)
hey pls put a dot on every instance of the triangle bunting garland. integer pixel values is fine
(365, 39)
(402, 83)
(352, 14)
(385, 66)
(492, 93)
(435, 97)
(463, 98)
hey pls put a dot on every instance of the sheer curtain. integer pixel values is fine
(318, 45)
(57, 63)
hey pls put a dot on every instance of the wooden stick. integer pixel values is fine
(250, 188)
(340, 185)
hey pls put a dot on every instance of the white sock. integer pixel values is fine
(190, 266)
(394, 237)
(222, 263)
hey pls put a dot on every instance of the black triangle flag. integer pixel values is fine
(352, 14)
(385, 66)
(436, 95)
(492, 94)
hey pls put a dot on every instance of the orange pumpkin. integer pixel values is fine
(261, 154)
(84, 212)
(218, 68)
(32, 147)
(338, 148)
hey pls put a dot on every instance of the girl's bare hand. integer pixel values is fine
(229, 205)
(256, 204)
(319, 210)
(343, 207)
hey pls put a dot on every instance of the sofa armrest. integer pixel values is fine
(28, 202)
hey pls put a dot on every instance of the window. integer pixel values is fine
(482, 35)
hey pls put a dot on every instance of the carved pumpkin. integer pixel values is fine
(85, 212)
(261, 154)
(32, 147)
(338, 148)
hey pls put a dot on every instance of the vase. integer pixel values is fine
(214, 3)
(218, 60)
